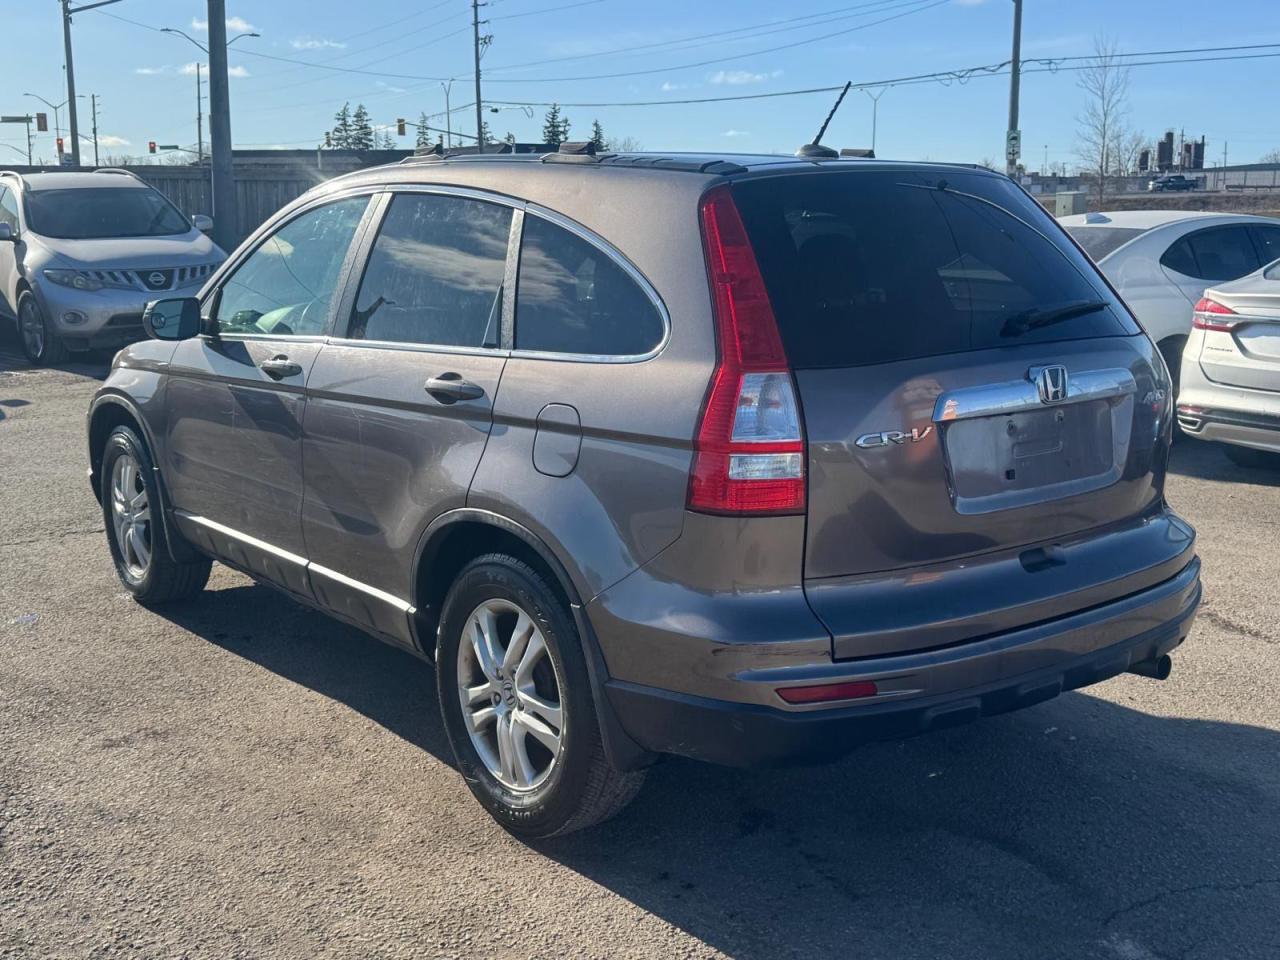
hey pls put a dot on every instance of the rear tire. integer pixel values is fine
(1251, 458)
(41, 344)
(528, 677)
(132, 512)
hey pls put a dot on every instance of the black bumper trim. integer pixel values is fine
(739, 734)
(1232, 418)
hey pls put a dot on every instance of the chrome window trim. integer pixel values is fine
(311, 567)
(614, 254)
(417, 347)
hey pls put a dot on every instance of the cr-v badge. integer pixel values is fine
(887, 437)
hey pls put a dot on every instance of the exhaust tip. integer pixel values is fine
(1158, 668)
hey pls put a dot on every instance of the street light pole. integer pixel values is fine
(875, 109)
(448, 117)
(1015, 70)
(199, 118)
(224, 183)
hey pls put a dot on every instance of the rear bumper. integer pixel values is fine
(1248, 429)
(925, 691)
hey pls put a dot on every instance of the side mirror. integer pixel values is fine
(8, 234)
(177, 319)
(202, 223)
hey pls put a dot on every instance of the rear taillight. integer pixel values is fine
(1211, 315)
(749, 450)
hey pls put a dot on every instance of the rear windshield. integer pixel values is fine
(873, 266)
(97, 213)
(1099, 242)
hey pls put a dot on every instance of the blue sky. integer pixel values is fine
(147, 92)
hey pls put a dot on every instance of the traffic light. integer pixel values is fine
(59, 146)
(151, 146)
(42, 122)
(400, 127)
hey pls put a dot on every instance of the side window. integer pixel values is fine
(1222, 253)
(572, 297)
(8, 208)
(435, 273)
(287, 285)
(1267, 239)
(1180, 259)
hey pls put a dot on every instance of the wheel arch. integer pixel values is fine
(454, 539)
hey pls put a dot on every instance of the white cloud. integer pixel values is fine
(315, 43)
(112, 141)
(668, 86)
(389, 87)
(738, 77)
(150, 71)
(189, 69)
(737, 133)
(234, 25)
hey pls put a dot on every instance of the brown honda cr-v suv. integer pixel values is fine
(748, 459)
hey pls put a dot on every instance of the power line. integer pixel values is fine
(535, 13)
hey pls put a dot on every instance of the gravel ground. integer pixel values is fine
(244, 778)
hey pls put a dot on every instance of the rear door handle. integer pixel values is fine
(450, 388)
(279, 367)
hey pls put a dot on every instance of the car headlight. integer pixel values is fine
(76, 279)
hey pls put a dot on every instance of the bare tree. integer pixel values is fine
(1105, 82)
(1126, 147)
(1271, 156)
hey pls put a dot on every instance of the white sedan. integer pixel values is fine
(1161, 261)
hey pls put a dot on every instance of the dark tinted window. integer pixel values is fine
(435, 273)
(1267, 239)
(572, 297)
(1179, 258)
(103, 212)
(287, 285)
(1098, 242)
(1222, 253)
(869, 267)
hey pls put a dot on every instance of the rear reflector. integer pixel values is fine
(1211, 315)
(749, 450)
(826, 692)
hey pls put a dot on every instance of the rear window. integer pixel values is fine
(99, 213)
(1099, 242)
(875, 266)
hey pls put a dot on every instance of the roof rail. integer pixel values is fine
(858, 153)
(118, 170)
(582, 151)
(13, 173)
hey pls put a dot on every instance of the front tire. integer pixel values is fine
(131, 510)
(41, 344)
(517, 704)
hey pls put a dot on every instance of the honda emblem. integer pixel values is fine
(1051, 382)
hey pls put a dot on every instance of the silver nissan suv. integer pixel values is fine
(82, 253)
(749, 459)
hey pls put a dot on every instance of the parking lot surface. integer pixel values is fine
(241, 777)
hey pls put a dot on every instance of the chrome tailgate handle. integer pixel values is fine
(1016, 396)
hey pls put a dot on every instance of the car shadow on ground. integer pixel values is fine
(1207, 461)
(94, 363)
(1077, 828)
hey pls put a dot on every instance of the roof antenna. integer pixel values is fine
(815, 149)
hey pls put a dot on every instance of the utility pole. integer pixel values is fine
(199, 118)
(448, 116)
(224, 183)
(93, 102)
(475, 31)
(875, 109)
(29, 163)
(67, 11)
(1013, 138)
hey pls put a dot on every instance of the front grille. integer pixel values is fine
(156, 278)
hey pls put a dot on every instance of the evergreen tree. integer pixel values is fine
(509, 139)
(598, 137)
(486, 132)
(388, 141)
(362, 137)
(423, 140)
(555, 127)
(340, 135)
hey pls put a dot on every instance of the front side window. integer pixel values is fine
(287, 285)
(572, 297)
(9, 208)
(435, 273)
(101, 213)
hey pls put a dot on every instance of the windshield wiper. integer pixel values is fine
(1034, 319)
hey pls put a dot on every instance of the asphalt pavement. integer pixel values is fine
(242, 777)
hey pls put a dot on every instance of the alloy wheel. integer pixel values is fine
(32, 328)
(131, 516)
(510, 693)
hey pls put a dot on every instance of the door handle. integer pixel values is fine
(450, 388)
(279, 367)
